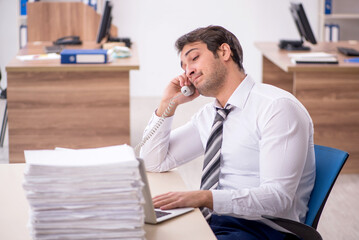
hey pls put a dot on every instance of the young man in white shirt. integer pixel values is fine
(266, 164)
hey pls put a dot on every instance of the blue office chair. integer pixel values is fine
(329, 162)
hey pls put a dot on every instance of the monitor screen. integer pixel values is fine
(103, 29)
(108, 29)
(302, 23)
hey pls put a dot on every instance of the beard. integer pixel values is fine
(214, 82)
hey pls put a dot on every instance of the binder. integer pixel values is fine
(331, 32)
(328, 7)
(23, 11)
(335, 32)
(72, 56)
(23, 36)
(327, 33)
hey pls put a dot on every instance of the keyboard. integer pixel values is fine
(348, 51)
(54, 49)
(161, 214)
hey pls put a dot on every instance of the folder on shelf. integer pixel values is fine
(84, 56)
(23, 7)
(328, 7)
(332, 32)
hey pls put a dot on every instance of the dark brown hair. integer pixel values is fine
(214, 37)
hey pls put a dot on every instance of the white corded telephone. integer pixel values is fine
(186, 91)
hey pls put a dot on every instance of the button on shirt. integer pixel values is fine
(268, 165)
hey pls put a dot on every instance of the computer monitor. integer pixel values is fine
(104, 27)
(108, 29)
(304, 29)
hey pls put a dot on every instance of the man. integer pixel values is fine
(259, 153)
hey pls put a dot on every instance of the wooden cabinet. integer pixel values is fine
(66, 105)
(329, 92)
(48, 21)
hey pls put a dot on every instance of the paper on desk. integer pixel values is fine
(122, 154)
(313, 57)
(48, 56)
(127, 213)
(85, 234)
(310, 55)
(84, 194)
(120, 52)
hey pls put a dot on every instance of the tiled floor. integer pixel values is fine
(340, 216)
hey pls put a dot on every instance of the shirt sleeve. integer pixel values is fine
(168, 149)
(285, 130)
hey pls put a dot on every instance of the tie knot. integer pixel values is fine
(223, 112)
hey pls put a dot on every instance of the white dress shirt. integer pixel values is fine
(268, 165)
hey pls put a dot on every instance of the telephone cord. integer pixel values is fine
(158, 123)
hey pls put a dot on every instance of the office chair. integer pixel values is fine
(329, 162)
(3, 107)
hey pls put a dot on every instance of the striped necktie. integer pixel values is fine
(212, 155)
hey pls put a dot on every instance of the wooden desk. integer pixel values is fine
(67, 105)
(14, 208)
(329, 92)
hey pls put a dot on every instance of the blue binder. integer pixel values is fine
(23, 7)
(328, 7)
(84, 56)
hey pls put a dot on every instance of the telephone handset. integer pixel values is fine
(186, 91)
(68, 40)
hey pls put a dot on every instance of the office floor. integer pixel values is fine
(339, 218)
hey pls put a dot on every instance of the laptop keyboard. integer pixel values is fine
(161, 214)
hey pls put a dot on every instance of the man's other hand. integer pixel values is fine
(171, 200)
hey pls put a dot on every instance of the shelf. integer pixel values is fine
(346, 15)
(341, 16)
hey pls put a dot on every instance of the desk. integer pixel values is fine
(14, 208)
(67, 105)
(329, 92)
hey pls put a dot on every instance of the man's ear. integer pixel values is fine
(225, 51)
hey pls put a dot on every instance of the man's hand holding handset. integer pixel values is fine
(172, 91)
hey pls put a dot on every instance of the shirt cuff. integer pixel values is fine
(222, 201)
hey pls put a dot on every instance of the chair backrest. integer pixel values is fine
(329, 162)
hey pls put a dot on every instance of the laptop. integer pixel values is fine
(152, 215)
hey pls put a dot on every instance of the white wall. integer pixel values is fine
(9, 40)
(155, 25)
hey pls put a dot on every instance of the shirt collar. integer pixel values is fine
(240, 95)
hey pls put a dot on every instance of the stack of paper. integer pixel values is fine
(313, 58)
(84, 194)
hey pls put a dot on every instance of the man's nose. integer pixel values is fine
(190, 71)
